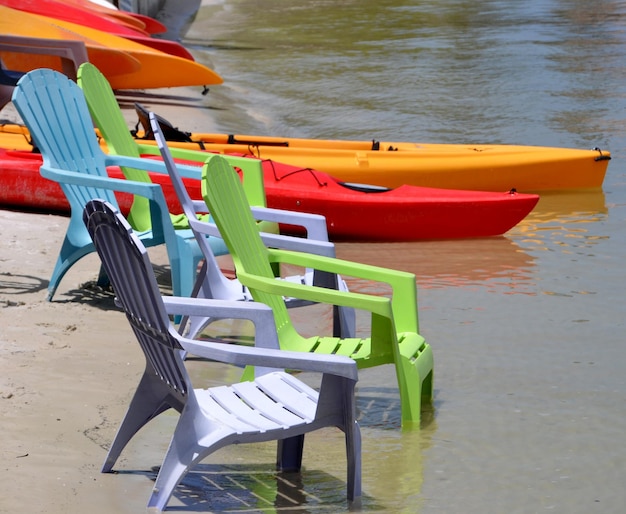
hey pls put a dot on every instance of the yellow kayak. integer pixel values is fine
(528, 169)
(126, 64)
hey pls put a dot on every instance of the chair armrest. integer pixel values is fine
(395, 278)
(404, 289)
(199, 206)
(237, 355)
(266, 352)
(315, 224)
(372, 303)
(259, 313)
(186, 154)
(199, 156)
(298, 244)
(152, 191)
(154, 165)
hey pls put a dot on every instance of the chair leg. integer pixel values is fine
(103, 279)
(146, 404)
(344, 318)
(289, 453)
(71, 252)
(416, 367)
(184, 269)
(344, 322)
(184, 452)
(353, 457)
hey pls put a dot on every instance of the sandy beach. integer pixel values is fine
(67, 369)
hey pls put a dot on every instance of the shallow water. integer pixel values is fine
(526, 328)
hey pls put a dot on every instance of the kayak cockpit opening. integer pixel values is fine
(364, 188)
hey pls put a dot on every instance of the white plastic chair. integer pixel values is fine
(274, 406)
(212, 283)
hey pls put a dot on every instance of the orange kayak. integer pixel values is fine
(126, 64)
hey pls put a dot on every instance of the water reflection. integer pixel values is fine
(499, 264)
(563, 222)
(450, 263)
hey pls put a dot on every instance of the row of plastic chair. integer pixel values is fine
(55, 110)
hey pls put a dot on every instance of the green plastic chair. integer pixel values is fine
(108, 117)
(394, 337)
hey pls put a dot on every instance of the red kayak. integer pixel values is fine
(84, 16)
(353, 212)
(150, 25)
(357, 212)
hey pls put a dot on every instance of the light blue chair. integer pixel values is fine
(54, 110)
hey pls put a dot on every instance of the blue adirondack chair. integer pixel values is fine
(273, 406)
(54, 110)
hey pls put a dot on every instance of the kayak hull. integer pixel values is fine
(126, 65)
(530, 169)
(407, 213)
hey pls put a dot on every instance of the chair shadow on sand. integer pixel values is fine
(87, 293)
(17, 284)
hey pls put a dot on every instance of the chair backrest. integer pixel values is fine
(128, 266)
(72, 53)
(216, 282)
(224, 194)
(54, 109)
(106, 113)
(109, 119)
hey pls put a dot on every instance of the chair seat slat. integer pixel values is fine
(274, 410)
(230, 401)
(302, 400)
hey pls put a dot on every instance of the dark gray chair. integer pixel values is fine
(273, 406)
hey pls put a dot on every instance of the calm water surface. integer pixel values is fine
(527, 329)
